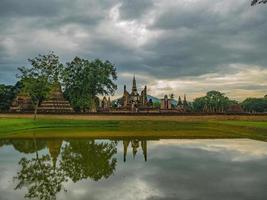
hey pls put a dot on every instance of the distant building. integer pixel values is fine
(235, 108)
(105, 105)
(22, 103)
(166, 103)
(55, 102)
(134, 101)
(182, 106)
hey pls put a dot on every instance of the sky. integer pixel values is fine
(180, 47)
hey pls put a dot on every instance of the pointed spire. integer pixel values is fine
(134, 88)
(145, 95)
(185, 103)
(109, 102)
(124, 89)
(179, 101)
(144, 148)
(125, 147)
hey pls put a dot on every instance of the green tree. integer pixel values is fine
(156, 104)
(88, 159)
(28, 145)
(39, 175)
(7, 94)
(255, 104)
(84, 80)
(37, 80)
(214, 101)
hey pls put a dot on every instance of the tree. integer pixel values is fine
(7, 94)
(37, 80)
(28, 145)
(38, 174)
(41, 178)
(254, 2)
(88, 159)
(254, 104)
(84, 80)
(156, 104)
(80, 159)
(214, 101)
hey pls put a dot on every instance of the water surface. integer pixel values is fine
(133, 169)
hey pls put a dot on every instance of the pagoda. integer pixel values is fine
(134, 101)
(22, 103)
(55, 102)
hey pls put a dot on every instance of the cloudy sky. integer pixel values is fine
(185, 46)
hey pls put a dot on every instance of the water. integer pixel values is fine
(135, 169)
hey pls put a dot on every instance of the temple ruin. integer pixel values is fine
(55, 102)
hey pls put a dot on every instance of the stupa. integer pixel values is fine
(22, 103)
(55, 102)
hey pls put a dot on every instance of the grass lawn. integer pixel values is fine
(152, 126)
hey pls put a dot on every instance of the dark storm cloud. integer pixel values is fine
(15, 8)
(135, 9)
(200, 38)
(160, 39)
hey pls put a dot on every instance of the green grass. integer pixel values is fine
(253, 124)
(20, 127)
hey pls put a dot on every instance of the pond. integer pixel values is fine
(133, 168)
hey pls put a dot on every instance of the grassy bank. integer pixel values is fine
(170, 127)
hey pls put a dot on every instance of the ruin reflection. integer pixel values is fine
(135, 144)
(43, 174)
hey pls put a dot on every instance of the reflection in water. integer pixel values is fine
(80, 159)
(135, 145)
(42, 179)
(84, 159)
(176, 169)
(39, 175)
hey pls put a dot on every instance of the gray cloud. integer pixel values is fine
(162, 39)
(135, 9)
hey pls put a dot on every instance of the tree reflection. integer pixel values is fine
(39, 174)
(3, 142)
(24, 145)
(79, 160)
(28, 145)
(88, 159)
(40, 177)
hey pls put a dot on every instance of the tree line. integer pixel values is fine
(84, 80)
